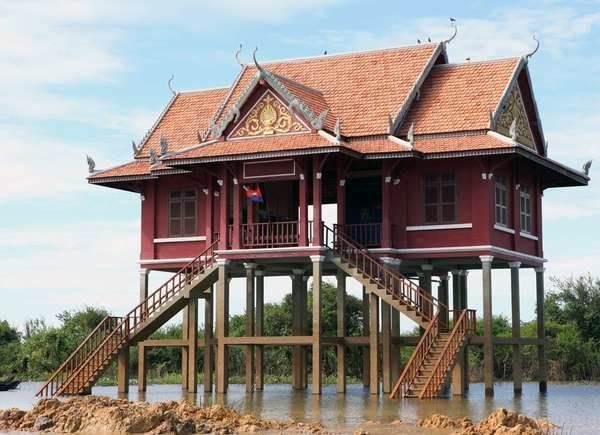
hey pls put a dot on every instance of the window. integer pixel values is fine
(501, 201)
(440, 198)
(526, 222)
(182, 213)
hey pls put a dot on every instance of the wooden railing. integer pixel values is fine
(398, 286)
(465, 324)
(79, 355)
(83, 364)
(412, 367)
(269, 235)
(368, 235)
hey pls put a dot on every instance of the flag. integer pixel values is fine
(254, 194)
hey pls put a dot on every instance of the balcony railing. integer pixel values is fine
(267, 234)
(368, 235)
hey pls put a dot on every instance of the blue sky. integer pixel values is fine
(89, 76)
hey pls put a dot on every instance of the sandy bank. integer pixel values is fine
(97, 414)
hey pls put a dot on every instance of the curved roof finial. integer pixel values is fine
(237, 56)
(537, 47)
(170, 86)
(254, 58)
(455, 27)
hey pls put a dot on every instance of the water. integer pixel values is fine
(573, 405)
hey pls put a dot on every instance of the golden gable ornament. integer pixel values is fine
(268, 116)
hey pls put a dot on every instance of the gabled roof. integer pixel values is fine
(362, 89)
(460, 97)
(184, 118)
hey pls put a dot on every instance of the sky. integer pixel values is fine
(88, 77)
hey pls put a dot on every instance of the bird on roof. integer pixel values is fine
(325, 52)
(586, 167)
(418, 41)
(468, 59)
(429, 39)
(453, 20)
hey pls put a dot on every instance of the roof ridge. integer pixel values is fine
(477, 62)
(294, 82)
(197, 91)
(342, 54)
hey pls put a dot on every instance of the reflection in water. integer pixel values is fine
(573, 405)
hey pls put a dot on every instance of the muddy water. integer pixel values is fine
(576, 406)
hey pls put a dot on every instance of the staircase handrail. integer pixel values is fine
(79, 355)
(415, 297)
(193, 268)
(464, 324)
(411, 369)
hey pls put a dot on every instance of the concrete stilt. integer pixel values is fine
(396, 348)
(373, 343)
(386, 348)
(317, 361)
(516, 326)
(123, 371)
(541, 331)
(341, 331)
(184, 349)
(365, 349)
(208, 337)
(443, 297)
(488, 349)
(259, 327)
(222, 315)
(249, 349)
(464, 291)
(142, 370)
(305, 329)
(297, 308)
(192, 350)
(458, 372)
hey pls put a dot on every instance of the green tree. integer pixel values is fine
(10, 353)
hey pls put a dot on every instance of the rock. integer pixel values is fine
(42, 423)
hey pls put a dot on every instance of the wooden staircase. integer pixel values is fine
(434, 356)
(87, 363)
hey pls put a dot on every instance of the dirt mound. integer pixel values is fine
(501, 422)
(93, 414)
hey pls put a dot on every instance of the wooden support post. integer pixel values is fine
(541, 330)
(341, 331)
(123, 370)
(373, 343)
(426, 285)
(303, 205)
(455, 289)
(249, 349)
(386, 204)
(317, 362)
(259, 326)
(192, 353)
(208, 336)
(222, 315)
(142, 360)
(488, 349)
(365, 350)
(341, 190)
(223, 208)
(297, 381)
(142, 371)
(317, 200)
(208, 210)
(386, 345)
(237, 215)
(516, 326)
(465, 351)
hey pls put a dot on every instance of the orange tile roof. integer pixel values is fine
(263, 144)
(362, 89)
(187, 116)
(459, 97)
(135, 168)
(441, 144)
(376, 146)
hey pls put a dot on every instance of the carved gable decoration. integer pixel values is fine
(515, 110)
(268, 116)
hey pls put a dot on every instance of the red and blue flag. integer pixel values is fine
(254, 194)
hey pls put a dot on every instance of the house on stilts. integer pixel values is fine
(435, 169)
